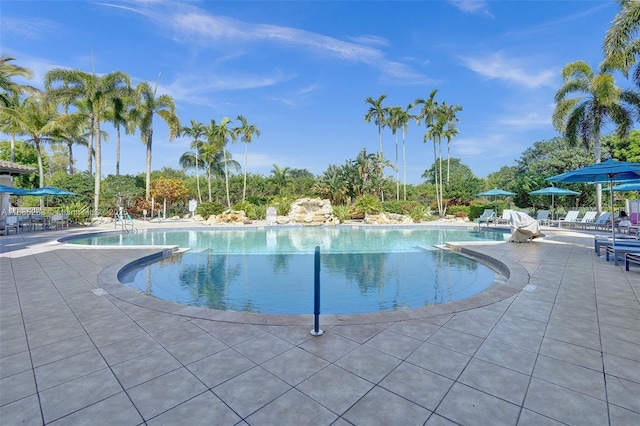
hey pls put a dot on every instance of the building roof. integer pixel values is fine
(9, 168)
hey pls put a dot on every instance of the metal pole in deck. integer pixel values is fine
(316, 295)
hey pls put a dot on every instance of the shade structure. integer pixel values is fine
(49, 190)
(553, 191)
(624, 187)
(4, 189)
(495, 193)
(609, 171)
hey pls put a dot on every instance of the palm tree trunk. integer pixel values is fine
(209, 179)
(435, 174)
(440, 200)
(96, 186)
(36, 142)
(70, 145)
(397, 178)
(404, 168)
(226, 177)
(13, 148)
(198, 177)
(597, 151)
(244, 186)
(148, 168)
(118, 151)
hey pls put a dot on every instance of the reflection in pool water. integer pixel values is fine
(270, 270)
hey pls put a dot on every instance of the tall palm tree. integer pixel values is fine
(8, 87)
(36, 119)
(405, 117)
(225, 134)
(96, 92)
(280, 177)
(117, 114)
(621, 44)
(377, 114)
(246, 132)
(196, 133)
(428, 115)
(146, 106)
(395, 115)
(597, 101)
(449, 115)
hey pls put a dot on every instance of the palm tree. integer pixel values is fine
(428, 114)
(621, 45)
(195, 132)
(405, 117)
(395, 115)
(224, 134)
(246, 132)
(36, 119)
(280, 177)
(448, 113)
(146, 106)
(117, 114)
(597, 101)
(8, 88)
(96, 93)
(377, 114)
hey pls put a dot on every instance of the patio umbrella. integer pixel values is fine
(49, 190)
(495, 192)
(609, 171)
(4, 189)
(553, 191)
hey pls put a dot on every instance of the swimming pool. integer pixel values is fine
(271, 270)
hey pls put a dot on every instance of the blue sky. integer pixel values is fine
(301, 70)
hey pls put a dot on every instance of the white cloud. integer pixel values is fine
(498, 66)
(477, 7)
(33, 29)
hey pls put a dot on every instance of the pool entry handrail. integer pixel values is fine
(316, 294)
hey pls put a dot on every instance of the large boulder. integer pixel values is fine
(230, 217)
(311, 212)
(387, 219)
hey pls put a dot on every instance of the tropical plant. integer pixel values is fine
(208, 209)
(8, 88)
(597, 101)
(188, 160)
(396, 118)
(428, 115)
(280, 178)
(246, 132)
(225, 134)
(341, 212)
(376, 113)
(621, 44)
(148, 104)
(368, 204)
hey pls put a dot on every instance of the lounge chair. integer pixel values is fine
(543, 217)
(10, 222)
(486, 217)
(588, 217)
(506, 215)
(601, 222)
(570, 218)
(620, 249)
(599, 243)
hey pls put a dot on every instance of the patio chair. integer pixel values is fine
(602, 222)
(629, 258)
(10, 222)
(543, 217)
(588, 217)
(486, 217)
(570, 218)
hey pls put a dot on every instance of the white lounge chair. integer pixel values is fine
(570, 219)
(588, 217)
(543, 217)
(506, 215)
(486, 217)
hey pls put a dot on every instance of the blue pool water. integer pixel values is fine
(271, 270)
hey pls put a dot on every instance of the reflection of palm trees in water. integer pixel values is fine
(207, 281)
(366, 269)
(448, 261)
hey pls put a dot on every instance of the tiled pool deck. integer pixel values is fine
(77, 348)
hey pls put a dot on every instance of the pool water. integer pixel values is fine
(271, 270)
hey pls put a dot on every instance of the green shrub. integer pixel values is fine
(367, 204)
(459, 211)
(282, 204)
(409, 206)
(342, 213)
(395, 207)
(251, 211)
(417, 213)
(476, 209)
(208, 209)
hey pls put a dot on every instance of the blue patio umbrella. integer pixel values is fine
(553, 191)
(625, 187)
(49, 190)
(5, 189)
(609, 171)
(495, 193)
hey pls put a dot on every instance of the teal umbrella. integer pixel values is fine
(553, 191)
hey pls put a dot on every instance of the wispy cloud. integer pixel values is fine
(478, 7)
(191, 24)
(33, 29)
(498, 66)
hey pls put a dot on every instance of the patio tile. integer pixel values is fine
(417, 385)
(507, 356)
(295, 365)
(573, 354)
(117, 409)
(437, 420)
(357, 333)
(67, 369)
(329, 346)
(235, 334)
(456, 341)
(418, 329)
(623, 392)
(516, 338)
(565, 405)
(14, 346)
(74, 395)
(143, 368)
(568, 335)
(220, 367)
(251, 391)
(176, 333)
(292, 333)
(165, 392)
(199, 347)
(469, 325)
(55, 335)
(116, 334)
(25, 411)
(381, 407)
(13, 364)
(368, 363)
(495, 380)
(335, 388)
(621, 333)
(124, 350)
(8, 332)
(623, 417)
(530, 418)
(17, 386)
(205, 409)
(531, 309)
(620, 348)
(622, 367)
(263, 347)
(293, 408)
(466, 405)
(439, 360)
(394, 343)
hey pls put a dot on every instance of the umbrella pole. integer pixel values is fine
(613, 219)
